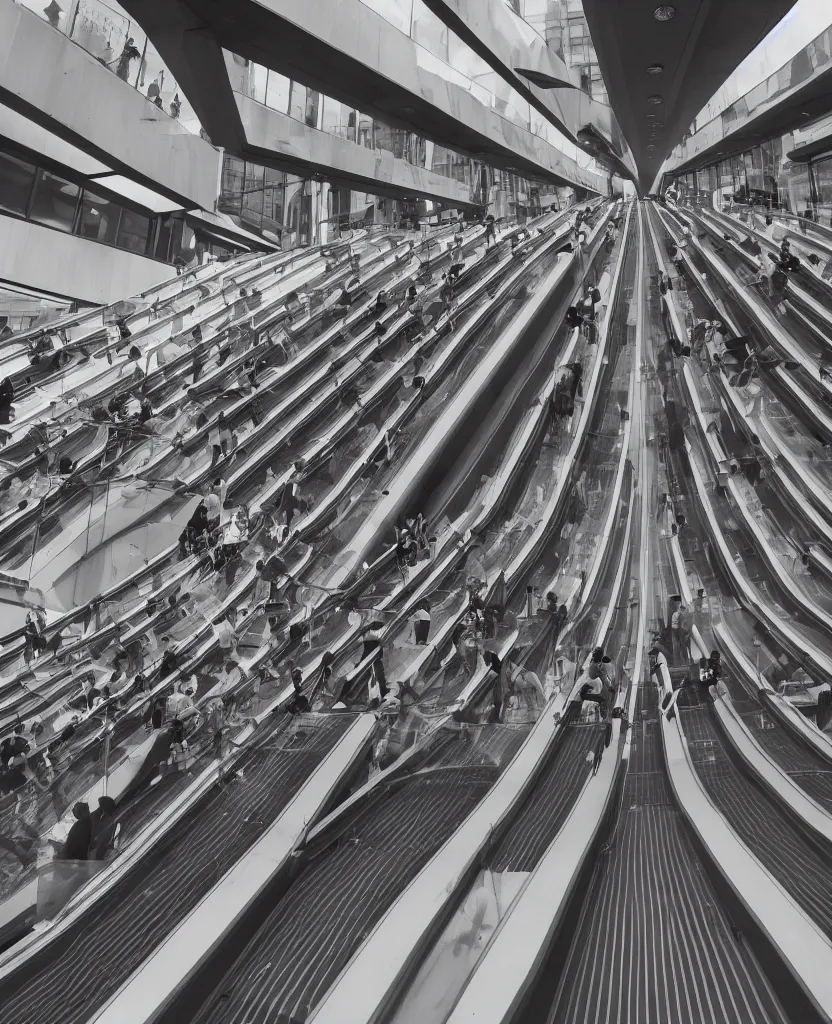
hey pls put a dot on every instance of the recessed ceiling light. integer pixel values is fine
(655, 69)
(664, 13)
(655, 99)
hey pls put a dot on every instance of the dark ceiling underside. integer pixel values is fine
(698, 49)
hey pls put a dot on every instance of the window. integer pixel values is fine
(133, 231)
(277, 92)
(297, 104)
(233, 176)
(253, 195)
(257, 82)
(273, 191)
(99, 219)
(338, 119)
(169, 238)
(16, 180)
(55, 201)
(365, 131)
(313, 105)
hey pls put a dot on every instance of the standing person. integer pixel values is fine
(105, 828)
(420, 532)
(678, 619)
(271, 571)
(593, 690)
(170, 661)
(14, 746)
(598, 663)
(77, 844)
(405, 551)
(490, 230)
(685, 627)
(299, 702)
(154, 90)
(175, 105)
(446, 294)
(372, 648)
(421, 624)
(219, 440)
(128, 54)
(215, 501)
(226, 634)
(589, 302)
(35, 640)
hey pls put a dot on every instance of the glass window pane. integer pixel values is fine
(257, 82)
(338, 119)
(365, 131)
(133, 231)
(55, 201)
(16, 180)
(277, 92)
(273, 201)
(99, 219)
(312, 109)
(233, 176)
(100, 30)
(297, 106)
(253, 196)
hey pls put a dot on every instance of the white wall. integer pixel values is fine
(51, 261)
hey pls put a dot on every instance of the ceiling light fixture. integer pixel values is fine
(655, 99)
(655, 69)
(664, 13)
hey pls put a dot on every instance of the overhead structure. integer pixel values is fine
(790, 99)
(517, 52)
(350, 53)
(662, 62)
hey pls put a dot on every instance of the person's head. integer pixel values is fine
(19, 729)
(130, 41)
(106, 805)
(551, 600)
(230, 666)
(714, 655)
(259, 564)
(297, 678)
(243, 293)
(81, 810)
(703, 663)
(382, 296)
(598, 654)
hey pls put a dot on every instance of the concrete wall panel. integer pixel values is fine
(50, 261)
(274, 133)
(60, 85)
